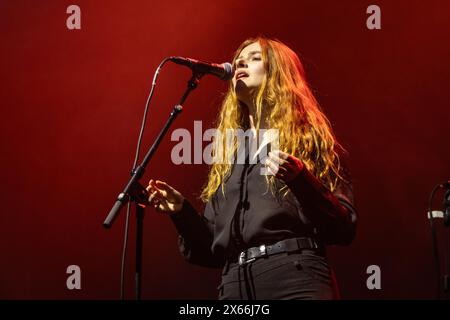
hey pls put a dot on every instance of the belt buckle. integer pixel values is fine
(242, 259)
(242, 255)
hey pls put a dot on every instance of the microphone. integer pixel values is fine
(223, 71)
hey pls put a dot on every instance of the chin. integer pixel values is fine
(244, 90)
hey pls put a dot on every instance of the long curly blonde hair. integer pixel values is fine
(303, 129)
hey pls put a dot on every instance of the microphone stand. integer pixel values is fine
(135, 192)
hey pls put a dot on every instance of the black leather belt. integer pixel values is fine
(289, 245)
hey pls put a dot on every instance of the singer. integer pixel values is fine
(269, 233)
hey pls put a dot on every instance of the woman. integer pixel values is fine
(271, 245)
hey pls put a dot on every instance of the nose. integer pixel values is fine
(241, 63)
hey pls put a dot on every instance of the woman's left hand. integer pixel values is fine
(284, 166)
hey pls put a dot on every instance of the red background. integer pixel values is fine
(72, 102)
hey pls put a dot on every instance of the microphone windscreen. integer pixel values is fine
(229, 71)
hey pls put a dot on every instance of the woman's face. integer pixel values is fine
(249, 72)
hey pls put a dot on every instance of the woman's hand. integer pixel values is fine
(163, 197)
(284, 166)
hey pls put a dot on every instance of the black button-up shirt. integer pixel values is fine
(250, 215)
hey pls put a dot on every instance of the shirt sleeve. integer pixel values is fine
(196, 234)
(333, 214)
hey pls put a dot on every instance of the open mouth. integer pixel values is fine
(241, 74)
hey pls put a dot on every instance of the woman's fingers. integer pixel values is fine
(279, 157)
(280, 154)
(152, 197)
(270, 165)
(163, 186)
(167, 191)
(274, 168)
(284, 165)
(152, 186)
(156, 202)
(163, 197)
(158, 185)
(155, 197)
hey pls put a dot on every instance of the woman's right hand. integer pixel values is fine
(163, 197)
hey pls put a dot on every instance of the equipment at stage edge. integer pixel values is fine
(442, 283)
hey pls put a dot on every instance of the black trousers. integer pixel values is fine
(302, 275)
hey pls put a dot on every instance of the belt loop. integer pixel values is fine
(226, 267)
(299, 243)
(313, 243)
(306, 243)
